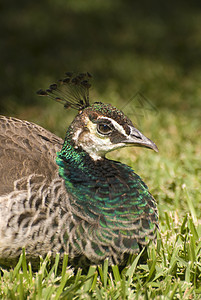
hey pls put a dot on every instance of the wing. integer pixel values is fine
(25, 149)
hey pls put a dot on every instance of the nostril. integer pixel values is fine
(135, 133)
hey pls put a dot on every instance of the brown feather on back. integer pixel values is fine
(25, 149)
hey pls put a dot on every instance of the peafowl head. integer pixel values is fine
(98, 128)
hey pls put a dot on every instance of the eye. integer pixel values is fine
(104, 129)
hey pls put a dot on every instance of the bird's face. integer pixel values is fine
(102, 128)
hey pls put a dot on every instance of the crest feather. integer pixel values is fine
(72, 91)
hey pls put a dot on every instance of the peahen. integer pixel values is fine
(65, 196)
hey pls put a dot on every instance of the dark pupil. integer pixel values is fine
(104, 128)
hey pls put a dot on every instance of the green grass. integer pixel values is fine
(129, 47)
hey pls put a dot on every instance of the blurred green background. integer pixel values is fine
(151, 47)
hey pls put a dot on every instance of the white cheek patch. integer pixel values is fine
(95, 146)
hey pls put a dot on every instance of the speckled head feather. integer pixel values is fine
(72, 91)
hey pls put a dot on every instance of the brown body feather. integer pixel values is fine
(26, 149)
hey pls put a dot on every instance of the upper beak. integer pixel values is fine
(138, 139)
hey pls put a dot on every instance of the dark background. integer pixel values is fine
(129, 46)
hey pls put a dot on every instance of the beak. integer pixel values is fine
(136, 138)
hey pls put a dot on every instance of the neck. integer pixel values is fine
(73, 159)
(70, 153)
(83, 175)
